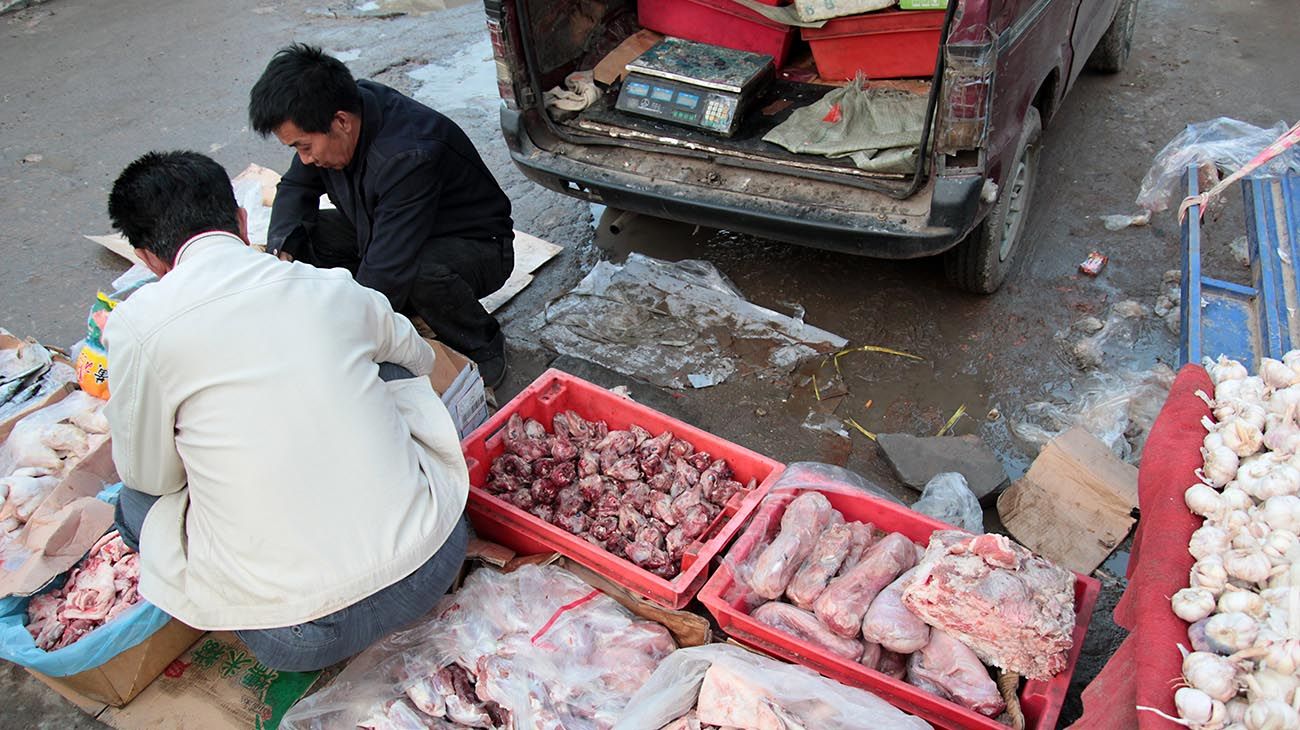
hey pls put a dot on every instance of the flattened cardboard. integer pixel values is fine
(1075, 504)
(217, 685)
(530, 253)
(613, 66)
(66, 524)
(126, 675)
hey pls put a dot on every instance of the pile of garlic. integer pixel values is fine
(1244, 596)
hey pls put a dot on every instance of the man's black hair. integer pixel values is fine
(163, 199)
(305, 86)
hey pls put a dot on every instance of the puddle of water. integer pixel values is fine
(468, 79)
(1117, 563)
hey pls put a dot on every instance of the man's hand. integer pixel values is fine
(284, 256)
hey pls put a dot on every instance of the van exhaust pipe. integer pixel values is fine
(621, 222)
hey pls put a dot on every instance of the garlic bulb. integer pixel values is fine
(1236, 631)
(1251, 566)
(1267, 475)
(1233, 521)
(1269, 684)
(1282, 400)
(1239, 601)
(1225, 369)
(1281, 433)
(1236, 709)
(1271, 715)
(1204, 501)
(1208, 540)
(1199, 709)
(1234, 498)
(1221, 465)
(1284, 656)
(1239, 435)
(1209, 573)
(1193, 604)
(1281, 512)
(1292, 359)
(1276, 374)
(1212, 674)
(1250, 536)
(1281, 547)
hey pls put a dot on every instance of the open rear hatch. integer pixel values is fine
(560, 37)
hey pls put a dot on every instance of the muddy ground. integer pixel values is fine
(91, 84)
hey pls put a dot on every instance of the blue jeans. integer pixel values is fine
(344, 633)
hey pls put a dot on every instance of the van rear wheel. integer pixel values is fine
(981, 262)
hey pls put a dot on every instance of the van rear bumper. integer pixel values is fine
(776, 205)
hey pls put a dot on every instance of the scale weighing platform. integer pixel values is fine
(694, 84)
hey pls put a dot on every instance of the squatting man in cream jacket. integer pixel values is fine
(291, 474)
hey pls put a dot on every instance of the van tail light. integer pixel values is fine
(500, 51)
(967, 89)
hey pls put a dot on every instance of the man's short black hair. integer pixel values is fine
(303, 85)
(163, 199)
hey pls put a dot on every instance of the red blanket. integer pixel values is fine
(1147, 665)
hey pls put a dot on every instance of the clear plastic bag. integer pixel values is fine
(540, 642)
(795, 694)
(947, 497)
(1117, 409)
(1223, 142)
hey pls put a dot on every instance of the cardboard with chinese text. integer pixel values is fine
(217, 685)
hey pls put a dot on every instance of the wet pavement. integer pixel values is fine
(91, 84)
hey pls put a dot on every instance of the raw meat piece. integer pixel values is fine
(90, 591)
(688, 475)
(804, 625)
(564, 474)
(864, 536)
(660, 506)
(43, 621)
(626, 469)
(700, 460)
(65, 438)
(569, 501)
(689, 721)
(650, 536)
(679, 448)
(576, 523)
(637, 495)
(426, 698)
(639, 434)
(630, 521)
(892, 624)
(695, 522)
(661, 482)
(871, 653)
(811, 578)
(1016, 612)
(893, 664)
(606, 505)
(21, 495)
(948, 668)
(544, 512)
(619, 442)
(676, 542)
(592, 486)
(650, 465)
(844, 602)
(723, 491)
(463, 706)
(647, 556)
(534, 429)
(588, 463)
(684, 502)
(604, 528)
(562, 449)
(512, 465)
(804, 520)
(542, 467)
(544, 492)
(523, 499)
(656, 447)
(397, 715)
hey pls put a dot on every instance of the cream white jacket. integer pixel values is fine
(293, 481)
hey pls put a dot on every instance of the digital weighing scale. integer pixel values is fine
(694, 84)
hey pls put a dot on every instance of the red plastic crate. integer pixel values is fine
(720, 23)
(496, 520)
(1040, 700)
(891, 44)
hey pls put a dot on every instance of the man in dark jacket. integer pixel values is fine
(417, 215)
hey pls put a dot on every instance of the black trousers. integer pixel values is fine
(452, 275)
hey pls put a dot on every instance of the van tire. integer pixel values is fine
(1112, 51)
(981, 262)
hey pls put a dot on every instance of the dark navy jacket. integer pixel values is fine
(414, 177)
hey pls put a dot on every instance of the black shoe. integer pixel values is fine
(493, 370)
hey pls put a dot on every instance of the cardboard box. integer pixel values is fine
(124, 676)
(216, 685)
(9, 342)
(455, 378)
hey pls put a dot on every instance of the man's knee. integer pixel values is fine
(128, 516)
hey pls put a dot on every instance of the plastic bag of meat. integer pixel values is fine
(731, 687)
(1013, 608)
(82, 620)
(536, 647)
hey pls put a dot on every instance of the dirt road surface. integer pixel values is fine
(88, 85)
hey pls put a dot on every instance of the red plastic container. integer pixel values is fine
(553, 392)
(1040, 700)
(893, 44)
(720, 23)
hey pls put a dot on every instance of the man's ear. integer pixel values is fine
(243, 227)
(344, 120)
(152, 262)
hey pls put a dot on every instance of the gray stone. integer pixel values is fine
(916, 460)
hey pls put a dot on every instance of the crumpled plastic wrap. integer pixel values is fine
(675, 324)
(1223, 142)
(947, 497)
(544, 645)
(1116, 408)
(788, 694)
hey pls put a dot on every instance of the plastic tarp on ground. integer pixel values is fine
(675, 325)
